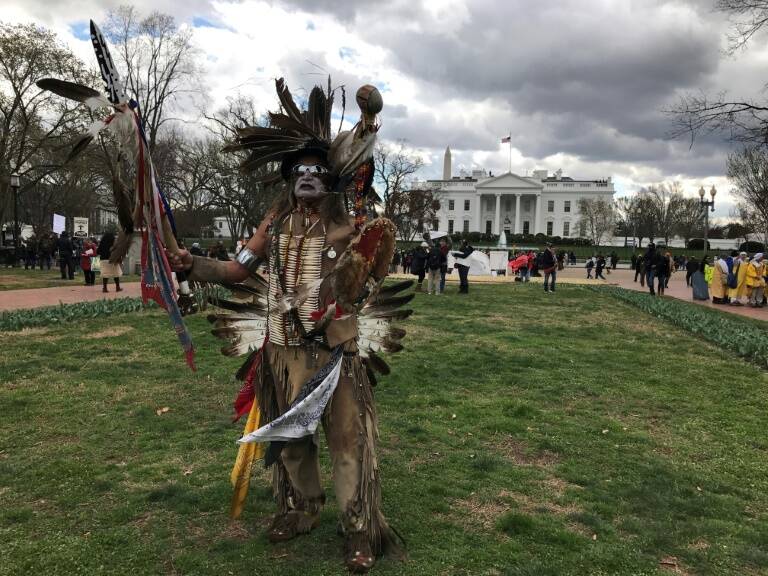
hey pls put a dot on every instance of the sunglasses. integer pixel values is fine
(311, 168)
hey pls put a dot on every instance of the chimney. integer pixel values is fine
(447, 164)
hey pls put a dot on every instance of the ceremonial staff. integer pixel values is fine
(150, 211)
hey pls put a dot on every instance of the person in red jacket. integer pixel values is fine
(89, 251)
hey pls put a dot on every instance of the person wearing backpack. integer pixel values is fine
(435, 261)
(589, 266)
(419, 264)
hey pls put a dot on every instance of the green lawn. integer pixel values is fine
(521, 434)
(18, 278)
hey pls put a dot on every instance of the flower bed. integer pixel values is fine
(20, 319)
(739, 335)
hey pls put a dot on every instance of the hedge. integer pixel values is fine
(752, 247)
(739, 335)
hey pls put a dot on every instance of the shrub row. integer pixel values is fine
(527, 239)
(20, 319)
(734, 333)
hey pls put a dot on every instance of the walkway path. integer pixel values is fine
(38, 297)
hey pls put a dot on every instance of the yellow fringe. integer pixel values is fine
(241, 471)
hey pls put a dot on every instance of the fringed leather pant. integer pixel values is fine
(351, 433)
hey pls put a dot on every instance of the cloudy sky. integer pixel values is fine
(579, 84)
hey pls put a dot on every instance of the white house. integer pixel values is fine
(481, 202)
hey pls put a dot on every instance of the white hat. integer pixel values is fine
(424, 245)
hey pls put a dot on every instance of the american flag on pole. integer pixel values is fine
(506, 139)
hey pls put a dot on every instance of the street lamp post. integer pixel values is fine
(707, 204)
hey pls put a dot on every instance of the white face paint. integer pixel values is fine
(308, 186)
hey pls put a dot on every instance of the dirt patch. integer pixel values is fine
(142, 520)
(483, 514)
(109, 332)
(24, 332)
(517, 452)
(698, 545)
(672, 565)
(236, 530)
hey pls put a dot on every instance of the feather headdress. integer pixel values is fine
(293, 132)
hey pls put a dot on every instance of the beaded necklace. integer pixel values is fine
(280, 260)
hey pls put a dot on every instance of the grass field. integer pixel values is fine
(521, 434)
(18, 278)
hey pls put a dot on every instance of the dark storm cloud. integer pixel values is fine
(583, 78)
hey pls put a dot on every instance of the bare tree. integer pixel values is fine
(666, 199)
(742, 119)
(624, 209)
(747, 18)
(243, 198)
(596, 216)
(395, 167)
(747, 169)
(158, 61)
(34, 124)
(189, 170)
(690, 219)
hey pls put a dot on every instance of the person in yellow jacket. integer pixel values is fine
(755, 280)
(719, 284)
(740, 272)
(707, 270)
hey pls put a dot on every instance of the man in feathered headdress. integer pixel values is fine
(313, 327)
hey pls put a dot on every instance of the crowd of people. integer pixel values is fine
(435, 260)
(88, 256)
(72, 254)
(734, 279)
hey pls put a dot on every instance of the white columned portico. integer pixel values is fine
(497, 220)
(517, 213)
(537, 216)
(478, 211)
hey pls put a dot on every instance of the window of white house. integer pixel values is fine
(526, 227)
(450, 204)
(435, 225)
(488, 226)
(582, 229)
(466, 226)
(527, 204)
(550, 228)
(567, 206)
(450, 226)
(221, 225)
(566, 229)
(550, 205)
(466, 205)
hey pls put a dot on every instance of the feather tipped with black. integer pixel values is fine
(242, 372)
(79, 146)
(392, 289)
(371, 374)
(88, 96)
(286, 101)
(377, 364)
(318, 113)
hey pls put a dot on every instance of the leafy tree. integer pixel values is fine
(34, 125)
